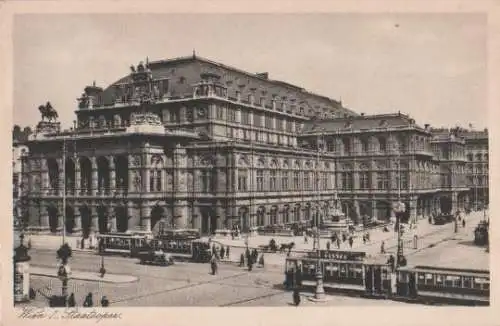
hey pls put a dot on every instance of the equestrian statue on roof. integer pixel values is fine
(47, 111)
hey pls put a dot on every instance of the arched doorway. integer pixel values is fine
(102, 174)
(53, 174)
(85, 175)
(121, 170)
(69, 176)
(243, 219)
(365, 212)
(86, 221)
(70, 219)
(208, 220)
(157, 213)
(102, 219)
(121, 219)
(445, 205)
(53, 218)
(261, 213)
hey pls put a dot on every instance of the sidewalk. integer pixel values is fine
(85, 276)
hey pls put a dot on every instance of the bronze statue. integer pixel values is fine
(47, 111)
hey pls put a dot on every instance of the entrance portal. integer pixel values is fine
(208, 220)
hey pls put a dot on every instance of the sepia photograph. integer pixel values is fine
(330, 159)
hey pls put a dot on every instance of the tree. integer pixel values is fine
(64, 253)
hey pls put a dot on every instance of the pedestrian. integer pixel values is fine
(242, 260)
(344, 237)
(88, 302)
(463, 223)
(338, 243)
(248, 256)
(104, 301)
(222, 252)
(305, 238)
(328, 245)
(382, 247)
(261, 260)
(82, 243)
(250, 266)
(391, 262)
(296, 297)
(368, 236)
(227, 252)
(430, 219)
(364, 239)
(71, 300)
(351, 241)
(213, 265)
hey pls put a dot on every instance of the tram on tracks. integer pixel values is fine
(125, 244)
(353, 272)
(180, 243)
(449, 285)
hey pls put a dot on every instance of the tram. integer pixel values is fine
(428, 285)
(126, 244)
(433, 284)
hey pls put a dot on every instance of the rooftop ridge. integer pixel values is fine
(249, 74)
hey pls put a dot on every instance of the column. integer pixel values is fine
(62, 178)
(94, 219)
(77, 229)
(44, 218)
(94, 176)
(112, 175)
(454, 202)
(146, 217)
(44, 178)
(78, 178)
(111, 219)
(221, 215)
(130, 214)
(60, 219)
(374, 210)
(413, 209)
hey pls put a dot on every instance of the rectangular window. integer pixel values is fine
(260, 180)
(256, 120)
(306, 180)
(245, 117)
(383, 180)
(272, 180)
(364, 180)
(289, 125)
(296, 181)
(404, 180)
(284, 180)
(324, 181)
(231, 115)
(242, 180)
(269, 121)
(220, 113)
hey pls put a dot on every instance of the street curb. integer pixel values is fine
(133, 278)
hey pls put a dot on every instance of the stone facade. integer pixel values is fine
(197, 144)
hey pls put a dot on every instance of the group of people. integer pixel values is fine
(345, 237)
(88, 301)
(251, 257)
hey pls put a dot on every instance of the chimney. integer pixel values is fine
(263, 75)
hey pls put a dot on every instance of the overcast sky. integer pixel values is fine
(431, 66)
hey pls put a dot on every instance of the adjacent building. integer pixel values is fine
(197, 144)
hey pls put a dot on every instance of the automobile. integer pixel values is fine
(443, 219)
(158, 257)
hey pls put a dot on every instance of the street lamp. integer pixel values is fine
(399, 209)
(64, 271)
(319, 293)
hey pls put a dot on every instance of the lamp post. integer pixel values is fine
(319, 293)
(399, 209)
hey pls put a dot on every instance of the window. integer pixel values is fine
(220, 113)
(286, 215)
(347, 180)
(306, 180)
(245, 117)
(274, 216)
(324, 180)
(284, 180)
(382, 144)
(242, 180)
(289, 125)
(260, 180)
(347, 146)
(155, 180)
(260, 218)
(269, 121)
(404, 180)
(296, 180)
(256, 120)
(207, 181)
(231, 115)
(364, 145)
(296, 214)
(332, 146)
(272, 180)
(364, 180)
(383, 180)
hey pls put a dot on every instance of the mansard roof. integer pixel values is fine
(184, 72)
(360, 123)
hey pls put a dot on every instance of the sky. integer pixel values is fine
(430, 66)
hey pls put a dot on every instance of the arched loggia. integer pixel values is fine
(53, 173)
(85, 175)
(103, 174)
(69, 177)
